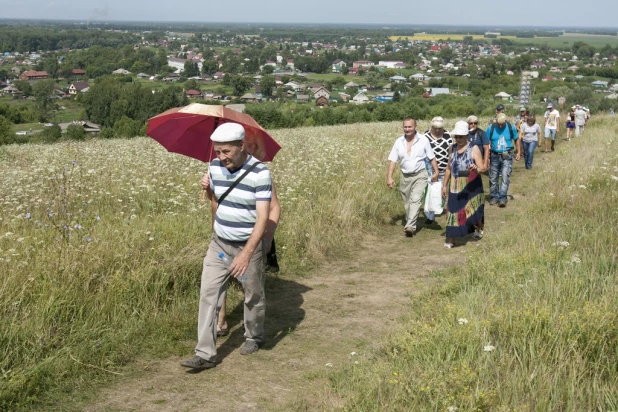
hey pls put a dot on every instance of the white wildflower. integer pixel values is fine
(614, 177)
(489, 348)
(561, 244)
(575, 259)
(328, 365)
(452, 409)
(462, 321)
(582, 186)
(352, 353)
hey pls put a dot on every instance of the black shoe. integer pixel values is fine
(429, 222)
(249, 347)
(272, 268)
(502, 204)
(198, 363)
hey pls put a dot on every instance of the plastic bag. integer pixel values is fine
(433, 198)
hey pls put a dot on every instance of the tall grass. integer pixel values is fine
(101, 244)
(530, 321)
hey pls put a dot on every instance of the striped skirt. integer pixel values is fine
(465, 205)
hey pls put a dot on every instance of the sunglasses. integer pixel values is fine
(473, 123)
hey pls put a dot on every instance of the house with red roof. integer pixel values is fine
(30, 75)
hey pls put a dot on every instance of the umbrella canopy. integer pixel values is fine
(186, 130)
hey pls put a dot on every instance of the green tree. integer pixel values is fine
(43, 92)
(372, 79)
(51, 133)
(76, 132)
(268, 84)
(126, 127)
(6, 131)
(191, 69)
(24, 87)
(240, 85)
(209, 67)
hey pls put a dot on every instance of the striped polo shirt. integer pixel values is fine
(236, 215)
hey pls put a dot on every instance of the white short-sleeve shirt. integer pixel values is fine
(415, 161)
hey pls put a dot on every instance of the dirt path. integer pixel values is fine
(347, 306)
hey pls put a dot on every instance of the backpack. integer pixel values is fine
(508, 126)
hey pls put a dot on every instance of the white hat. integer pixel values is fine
(501, 118)
(437, 122)
(228, 132)
(461, 129)
(472, 118)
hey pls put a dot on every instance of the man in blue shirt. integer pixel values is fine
(503, 139)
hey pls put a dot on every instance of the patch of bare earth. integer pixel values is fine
(344, 306)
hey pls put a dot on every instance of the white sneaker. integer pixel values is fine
(448, 245)
(478, 234)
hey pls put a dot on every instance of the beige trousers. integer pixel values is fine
(214, 281)
(412, 188)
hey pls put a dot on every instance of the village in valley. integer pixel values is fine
(298, 68)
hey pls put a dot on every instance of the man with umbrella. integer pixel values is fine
(239, 225)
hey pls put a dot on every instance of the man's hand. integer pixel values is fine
(205, 181)
(434, 177)
(390, 182)
(517, 156)
(444, 191)
(240, 264)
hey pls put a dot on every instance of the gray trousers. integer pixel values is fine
(215, 277)
(412, 188)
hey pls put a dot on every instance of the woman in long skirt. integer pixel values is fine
(464, 188)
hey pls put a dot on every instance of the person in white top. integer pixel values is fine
(410, 151)
(580, 120)
(552, 126)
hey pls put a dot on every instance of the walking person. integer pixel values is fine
(504, 140)
(530, 134)
(477, 137)
(240, 221)
(441, 142)
(552, 126)
(410, 151)
(580, 120)
(570, 124)
(463, 188)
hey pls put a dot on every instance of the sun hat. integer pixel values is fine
(228, 132)
(437, 122)
(461, 129)
(549, 105)
(501, 118)
(522, 109)
(472, 118)
(500, 107)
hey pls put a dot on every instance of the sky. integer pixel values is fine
(566, 13)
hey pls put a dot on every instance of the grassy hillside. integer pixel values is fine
(529, 322)
(101, 244)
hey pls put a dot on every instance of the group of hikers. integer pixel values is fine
(436, 164)
(452, 163)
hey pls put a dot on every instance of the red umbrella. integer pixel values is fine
(186, 130)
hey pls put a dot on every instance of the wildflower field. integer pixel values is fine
(101, 244)
(529, 323)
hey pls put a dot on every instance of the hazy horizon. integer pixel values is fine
(475, 13)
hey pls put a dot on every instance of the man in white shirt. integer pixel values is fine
(410, 151)
(580, 120)
(552, 126)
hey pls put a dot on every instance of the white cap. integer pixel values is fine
(472, 118)
(228, 132)
(461, 129)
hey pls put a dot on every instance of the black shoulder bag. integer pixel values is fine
(236, 182)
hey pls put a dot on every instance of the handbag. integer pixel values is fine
(433, 198)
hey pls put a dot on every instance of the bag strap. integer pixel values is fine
(236, 182)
